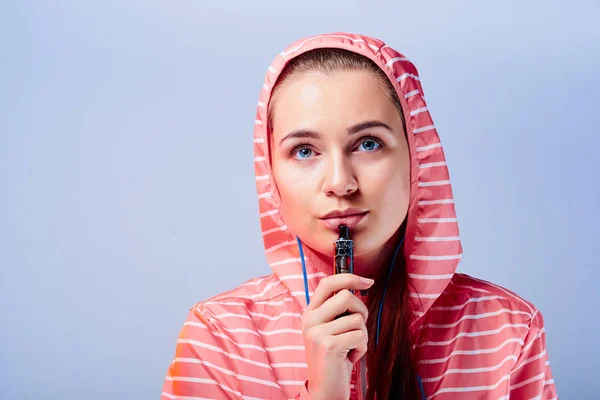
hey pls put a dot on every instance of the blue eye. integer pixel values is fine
(302, 153)
(369, 145)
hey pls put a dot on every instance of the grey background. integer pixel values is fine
(126, 167)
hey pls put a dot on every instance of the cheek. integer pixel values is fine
(295, 196)
(388, 188)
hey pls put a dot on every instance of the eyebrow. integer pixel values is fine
(304, 133)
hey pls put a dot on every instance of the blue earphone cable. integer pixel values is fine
(421, 388)
(303, 270)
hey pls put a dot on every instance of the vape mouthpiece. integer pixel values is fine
(344, 232)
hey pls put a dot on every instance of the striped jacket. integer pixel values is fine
(473, 339)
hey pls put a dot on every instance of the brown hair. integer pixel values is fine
(391, 373)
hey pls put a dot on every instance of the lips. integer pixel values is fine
(349, 217)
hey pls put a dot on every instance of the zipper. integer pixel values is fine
(362, 373)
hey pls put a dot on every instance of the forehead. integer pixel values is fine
(324, 101)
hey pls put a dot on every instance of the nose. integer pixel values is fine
(339, 178)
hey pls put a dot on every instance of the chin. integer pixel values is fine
(316, 238)
(364, 249)
(322, 240)
(370, 242)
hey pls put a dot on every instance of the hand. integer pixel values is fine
(333, 344)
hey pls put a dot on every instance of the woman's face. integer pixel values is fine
(339, 155)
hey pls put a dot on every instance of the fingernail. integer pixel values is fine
(366, 281)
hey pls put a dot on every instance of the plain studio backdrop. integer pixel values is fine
(127, 189)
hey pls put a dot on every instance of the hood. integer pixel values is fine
(432, 247)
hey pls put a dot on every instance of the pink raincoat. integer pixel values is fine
(473, 339)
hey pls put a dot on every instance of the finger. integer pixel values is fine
(342, 302)
(345, 324)
(357, 354)
(350, 344)
(334, 283)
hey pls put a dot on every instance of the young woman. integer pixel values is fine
(343, 137)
